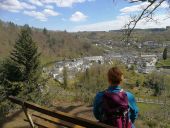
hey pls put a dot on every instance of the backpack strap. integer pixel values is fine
(125, 115)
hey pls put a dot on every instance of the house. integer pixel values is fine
(146, 67)
(108, 58)
(150, 44)
(97, 59)
(146, 63)
(74, 66)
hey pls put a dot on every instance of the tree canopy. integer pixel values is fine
(22, 65)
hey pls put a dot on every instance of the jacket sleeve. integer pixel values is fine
(97, 105)
(133, 107)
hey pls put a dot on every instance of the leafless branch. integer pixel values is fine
(147, 14)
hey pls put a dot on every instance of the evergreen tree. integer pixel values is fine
(45, 31)
(157, 89)
(165, 52)
(137, 83)
(25, 55)
(87, 75)
(21, 70)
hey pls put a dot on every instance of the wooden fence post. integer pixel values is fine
(28, 116)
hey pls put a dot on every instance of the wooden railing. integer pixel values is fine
(53, 119)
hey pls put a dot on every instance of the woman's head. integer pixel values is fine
(115, 76)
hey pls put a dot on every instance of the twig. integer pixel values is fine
(145, 14)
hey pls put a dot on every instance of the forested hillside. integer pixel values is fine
(56, 45)
(52, 44)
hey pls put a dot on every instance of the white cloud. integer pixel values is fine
(49, 7)
(15, 5)
(78, 16)
(103, 26)
(42, 16)
(49, 12)
(11, 5)
(141, 6)
(134, 8)
(36, 2)
(91, 0)
(120, 21)
(27, 6)
(63, 3)
(38, 15)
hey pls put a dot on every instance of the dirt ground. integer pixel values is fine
(16, 119)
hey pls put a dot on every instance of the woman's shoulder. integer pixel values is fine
(130, 95)
(99, 94)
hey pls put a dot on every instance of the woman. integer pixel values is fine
(114, 106)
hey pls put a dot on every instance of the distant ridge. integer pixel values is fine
(148, 29)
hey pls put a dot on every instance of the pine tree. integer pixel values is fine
(87, 75)
(20, 72)
(137, 83)
(26, 57)
(45, 31)
(165, 52)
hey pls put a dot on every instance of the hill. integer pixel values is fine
(57, 45)
(53, 45)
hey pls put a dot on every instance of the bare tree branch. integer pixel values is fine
(146, 14)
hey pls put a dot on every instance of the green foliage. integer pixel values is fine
(5, 107)
(153, 115)
(165, 52)
(138, 83)
(45, 31)
(157, 89)
(53, 45)
(151, 123)
(22, 65)
(20, 73)
(155, 81)
(90, 82)
(26, 56)
(163, 63)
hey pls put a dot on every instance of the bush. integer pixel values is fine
(152, 123)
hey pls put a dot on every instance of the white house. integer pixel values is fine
(146, 63)
(97, 59)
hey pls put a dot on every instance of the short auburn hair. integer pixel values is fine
(114, 75)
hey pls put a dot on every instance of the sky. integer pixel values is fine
(78, 15)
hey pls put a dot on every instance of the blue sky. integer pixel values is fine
(75, 15)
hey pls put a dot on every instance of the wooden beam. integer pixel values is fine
(60, 115)
(57, 121)
(28, 117)
(43, 124)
